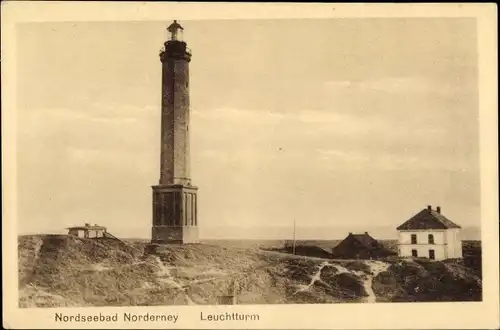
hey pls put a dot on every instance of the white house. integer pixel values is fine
(87, 231)
(429, 234)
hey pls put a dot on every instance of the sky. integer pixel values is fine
(341, 125)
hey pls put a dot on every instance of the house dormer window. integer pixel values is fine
(431, 239)
(413, 238)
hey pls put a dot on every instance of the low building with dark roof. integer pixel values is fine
(88, 231)
(360, 246)
(429, 234)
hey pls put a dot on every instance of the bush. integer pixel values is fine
(425, 280)
(360, 266)
(346, 286)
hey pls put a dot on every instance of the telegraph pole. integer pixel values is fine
(293, 246)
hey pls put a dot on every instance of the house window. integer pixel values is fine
(413, 238)
(431, 239)
(414, 253)
(432, 255)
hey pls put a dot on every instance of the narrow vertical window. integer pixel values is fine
(185, 209)
(195, 210)
(192, 210)
(432, 255)
(173, 220)
(431, 239)
(178, 204)
(165, 208)
(157, 209)
(413, 239)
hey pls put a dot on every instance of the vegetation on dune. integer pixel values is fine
(424, 280)
(60, 270)
(28, 251)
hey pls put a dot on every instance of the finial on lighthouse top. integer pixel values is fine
(175, 30)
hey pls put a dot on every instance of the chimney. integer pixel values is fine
(438, 209)
(87, 224)
(429, 207)
(366, 233)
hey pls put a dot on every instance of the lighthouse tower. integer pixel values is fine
(174, 198)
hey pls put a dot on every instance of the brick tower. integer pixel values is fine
(174, 198)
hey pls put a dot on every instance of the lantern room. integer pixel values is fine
(175, 30)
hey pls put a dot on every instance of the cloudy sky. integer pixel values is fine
(341, 124)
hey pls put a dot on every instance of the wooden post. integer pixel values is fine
(234, 293)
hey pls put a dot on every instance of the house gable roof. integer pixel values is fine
(365, 240)
(361, 240)
(428, 219)
(356, 245)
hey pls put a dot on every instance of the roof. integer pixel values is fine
(174, 26)
(88, 227)
(428, 219)
(365, 240)
(354, 244)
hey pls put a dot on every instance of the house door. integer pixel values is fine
(414, 253)
(432, 255)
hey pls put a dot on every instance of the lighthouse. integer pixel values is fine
(175, 199)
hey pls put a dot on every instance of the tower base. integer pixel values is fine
(175, 211)
(174, 235)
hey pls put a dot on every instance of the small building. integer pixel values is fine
(230, 298)
(360, 246)
(429, 234)
(87, 231)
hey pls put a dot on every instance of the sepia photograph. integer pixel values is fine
(252, 161)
